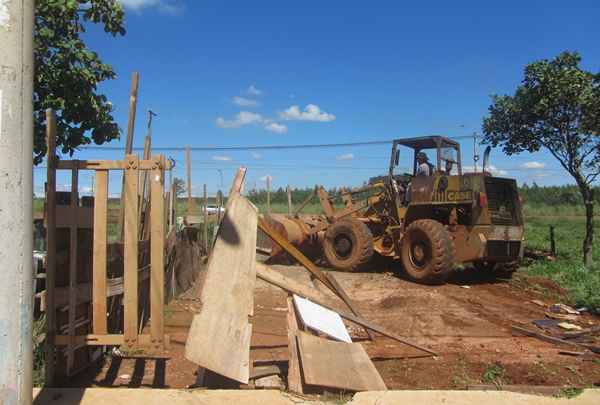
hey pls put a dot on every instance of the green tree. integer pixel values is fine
(557, 108)
(179, 186)
(67, 73)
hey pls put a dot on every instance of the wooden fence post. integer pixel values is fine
(99, 264)
(73, 246)
(157, 248)
(188, 168)
(50, 246)
(131, 250)
(552, 242)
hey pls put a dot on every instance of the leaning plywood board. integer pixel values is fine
(322, 319)
(219, 337)
(337, 364)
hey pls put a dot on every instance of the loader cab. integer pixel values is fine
(442, 155)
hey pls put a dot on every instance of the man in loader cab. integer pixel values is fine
(424, 168)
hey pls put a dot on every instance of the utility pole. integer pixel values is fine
(16, 203)
(475, 155)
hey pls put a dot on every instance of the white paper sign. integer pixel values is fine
(322, 319)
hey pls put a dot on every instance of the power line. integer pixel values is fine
(256, 147)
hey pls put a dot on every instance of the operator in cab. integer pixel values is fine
(424, 168)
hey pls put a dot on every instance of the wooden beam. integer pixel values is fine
(157, 259)
(130, 201)
(294, 377)
(238, 182)
(106, 164)
(144, 193)
(99, 251)
(135, 81)
(292, 286)
(106, 340)
(73, 238)
(50, 246)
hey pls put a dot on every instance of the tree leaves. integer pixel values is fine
(68, 73)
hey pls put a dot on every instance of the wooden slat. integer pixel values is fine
(273, 277)
(219, 337)
(105, 340)
(157, 258)
(294, 376)
(130, 200)
(337, 365)
(73, 269)
(105, 164)
(50, 245)
(99, 264)
(144, 192)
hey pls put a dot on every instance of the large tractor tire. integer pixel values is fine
(427, 252)
(348, 245)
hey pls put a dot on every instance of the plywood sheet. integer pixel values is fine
(219, 337)
(337, 365)
(322, 319)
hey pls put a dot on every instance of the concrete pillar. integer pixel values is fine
(16, 195)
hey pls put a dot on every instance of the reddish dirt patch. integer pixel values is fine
(470, 328)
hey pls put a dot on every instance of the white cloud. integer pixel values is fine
(346, 156)
(492, 169)
(256, 155)
(311, 112)
(275, 127)
(253, 91)
(222, 158)
(173, 7)
(533, 165)
(244, 102)
(242, 118)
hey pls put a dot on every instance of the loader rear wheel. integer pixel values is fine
(348, 245)
(427, 252)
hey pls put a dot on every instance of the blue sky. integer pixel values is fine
(240, 73)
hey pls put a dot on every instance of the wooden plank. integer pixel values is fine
(546, 338)
(238, 181)
(294, 376)
(106, 164)
(144, 193)
(105, 340)
(73, 269)
(289, 199)
(264, 371)
(337, 365)
(219, 337)
(130, 201)
(157, 259)
(99, 264)
(50, 246)
(273, 277)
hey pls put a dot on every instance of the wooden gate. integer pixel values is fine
(101, 287)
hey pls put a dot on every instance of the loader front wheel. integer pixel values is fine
(348, 245)
(427, 252)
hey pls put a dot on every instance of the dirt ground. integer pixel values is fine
(467, 321)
